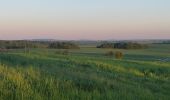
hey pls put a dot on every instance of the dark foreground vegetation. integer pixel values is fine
(85, 74)
(123, 45)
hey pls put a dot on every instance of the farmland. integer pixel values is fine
(85, 74)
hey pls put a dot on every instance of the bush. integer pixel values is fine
(118, 55)
(109, 53)
(65, 52)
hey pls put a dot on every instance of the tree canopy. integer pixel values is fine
(123, 45)
(63, 45)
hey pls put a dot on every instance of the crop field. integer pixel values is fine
(85, 74)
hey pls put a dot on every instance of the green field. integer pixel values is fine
(86, 74)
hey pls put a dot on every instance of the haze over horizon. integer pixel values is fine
(84, 19)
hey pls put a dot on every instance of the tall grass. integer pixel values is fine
(38, 76)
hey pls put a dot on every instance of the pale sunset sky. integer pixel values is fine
(84, 19)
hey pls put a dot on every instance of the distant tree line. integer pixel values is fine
(166, 42)
(63, 45)
(21, 44)
(106, 45)
(163, 42)
(18, 44)
(123, 45)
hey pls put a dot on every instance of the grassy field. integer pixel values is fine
(86, 74)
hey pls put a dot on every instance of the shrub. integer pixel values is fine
(118, 55)
(65, 52)
(109, 53)
(57, 52)
(62, 52)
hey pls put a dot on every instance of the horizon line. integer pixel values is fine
(84, 39)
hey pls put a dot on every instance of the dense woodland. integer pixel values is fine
(123, 45)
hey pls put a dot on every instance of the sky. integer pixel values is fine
(84, 19)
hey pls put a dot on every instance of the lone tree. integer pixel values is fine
(118, 55)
